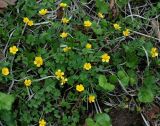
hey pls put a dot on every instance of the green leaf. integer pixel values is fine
(102, 6)
(98, 31)
(125, 81)
(90, 122)
(121, 74)
(31, 39)
(96, 28)
(103, 119)
(104, 84)
(6, 101)
(132, 81)
(122, 3)
(113, 79)
(7, 117)
(145, 95)
(123, 77)
(132, 60)
(132, 77)
(149, 80)
(66, 1)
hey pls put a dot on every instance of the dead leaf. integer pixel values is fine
(2, 57)
(59, 13)
(113, 8)
(155, 26)
(112, 3)
(10, 2)
(5, 3)
(152, 112)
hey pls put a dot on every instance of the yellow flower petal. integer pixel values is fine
(100, 15)
(88, 46)
(13, 50)
(27, 82)
(87, 66)
(30, 23)
(25, 20)
(5, 71)
(38, 61)
(87, 23)
(63, 5)
(91, 98)
(43, 12)
(63, 35)
(105, 57)
(154, 52)
(79, 87)
(42, 122)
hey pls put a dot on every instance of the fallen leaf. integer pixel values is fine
(10, 2)
(152, 113)
(5, 3)
(155, 26)
(113, 8)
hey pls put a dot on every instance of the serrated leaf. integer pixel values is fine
(113, 79)
(104, 8)
(125, 81)
(104, 84)
(121, 74)
(90, 122)
(145, 95)
(132, 60)
(6, 101)
(103, 119)
(132, 77)
(123, 77)
(7, 117)
(149, 80)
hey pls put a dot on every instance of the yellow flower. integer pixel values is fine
(154, 52)
(105, 57)
(66, 49)
(30, 23)
(91, 98)
(126, 32)
(87, 23)
(43, 11)
(63, 5)
(79, 87)
(65, 20)
(88, 46)
(5, 71)
(116, 26)
(100, 15)
(42, 122)
(63, 80)
(38, 61)
(25, 20)
(64, 35)
(13, 50)
(27, 82)
(87, 66)
(59, 74)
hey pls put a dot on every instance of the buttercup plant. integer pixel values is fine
(77, 58)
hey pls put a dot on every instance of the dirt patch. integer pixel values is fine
(123, 117)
